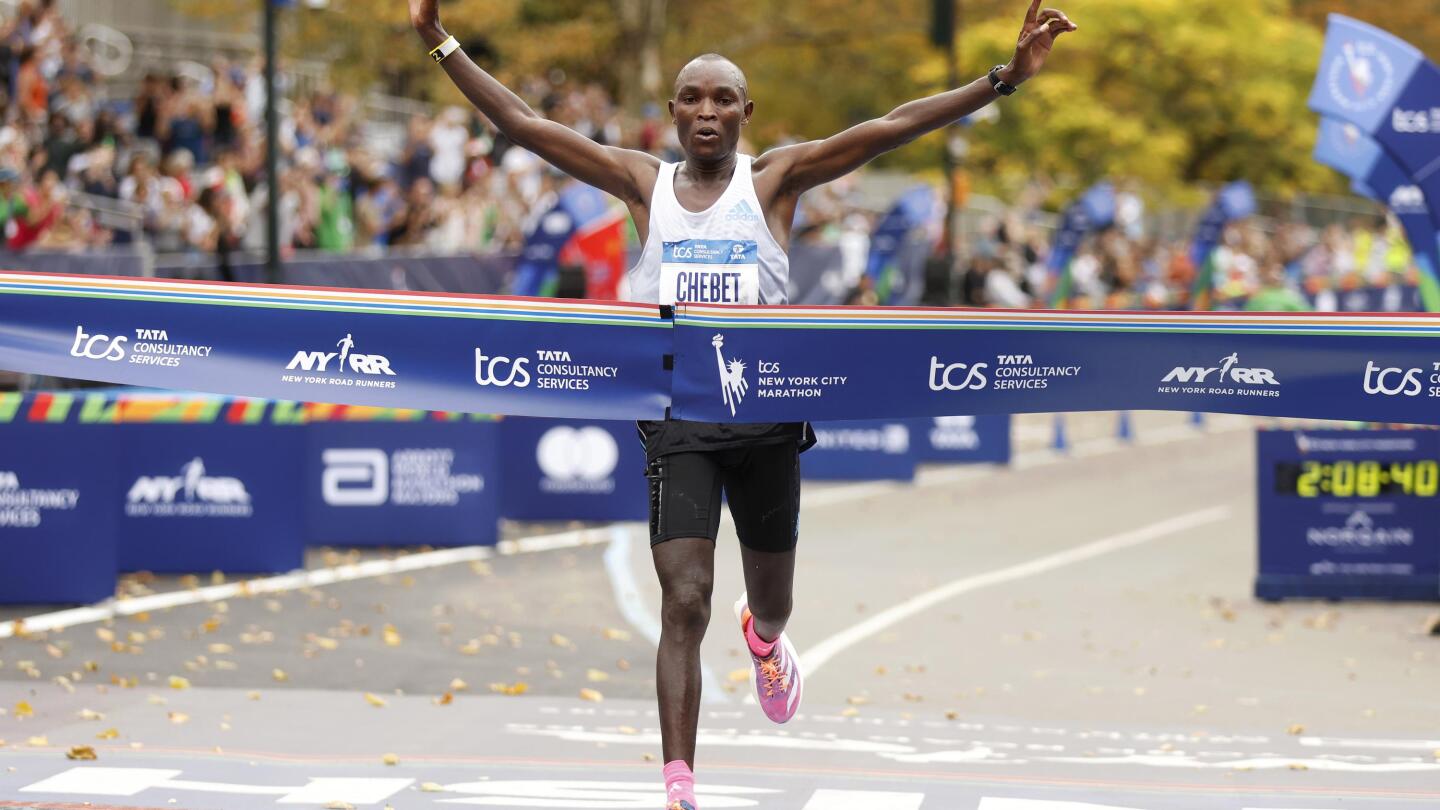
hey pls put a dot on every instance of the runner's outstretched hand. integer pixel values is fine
(425, 16)
(1037, 37)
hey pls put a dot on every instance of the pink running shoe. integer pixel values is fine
(777, 679)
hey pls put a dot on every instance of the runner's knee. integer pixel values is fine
(686, 607)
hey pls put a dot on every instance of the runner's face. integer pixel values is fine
(708, 108)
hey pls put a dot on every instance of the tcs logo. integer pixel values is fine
(501, 371)
(946, 377)
(98, 347)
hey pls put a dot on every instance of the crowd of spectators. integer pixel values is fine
(1282, 264)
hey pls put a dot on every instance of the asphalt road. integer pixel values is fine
(1072, 632)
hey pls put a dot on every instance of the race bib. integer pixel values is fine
(710, 271)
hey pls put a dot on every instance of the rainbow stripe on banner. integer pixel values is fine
(387, 355)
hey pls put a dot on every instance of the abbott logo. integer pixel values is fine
(732, 376)
(98, 347)
(489, 370)
(372, 364)
(355, 477)
(575, 460)
(1392, 381)
(942, 376)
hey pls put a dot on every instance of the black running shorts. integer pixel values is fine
(761, 481)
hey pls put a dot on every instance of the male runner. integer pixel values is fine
(715, 229)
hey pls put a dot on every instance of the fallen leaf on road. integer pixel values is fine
(91, 714)
(1295, 730)
(390, 759)
(108, 734)
(177, 682)
(38, 742)
(81, 752)
(596, 675)
(591, 695)
(431, 787)
(445, 699)
(375, 700)
(616, 634)
(24, 709)
(279, 675)
(459, 685)
(391, 636)
(561, 641)
(179, 718)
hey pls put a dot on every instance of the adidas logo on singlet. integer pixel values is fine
(742, 212)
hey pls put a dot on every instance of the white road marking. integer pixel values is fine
(111, 608)
(863, 800)
(820, 654)
(131, 781)
(632, 605)
(590, 795)
(1425, 746)
(988, 803)
(1251, 764)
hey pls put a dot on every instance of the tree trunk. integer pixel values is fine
(642, 32)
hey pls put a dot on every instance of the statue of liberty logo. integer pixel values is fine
(732, 376)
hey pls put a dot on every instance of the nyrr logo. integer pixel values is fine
(98, 347)
(577, 460)
(1228, 372)
(370, 364)
(945, 377)
(732, 376)
(501, 371)
(192, 493)
(1392, 382)
(1362, 77)
(1408, 199)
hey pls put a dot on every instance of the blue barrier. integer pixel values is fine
(962, 439)
(1349, 514)
(57, 514)
(402, 483)
(861, 451)
(569, 469)
(209, 497)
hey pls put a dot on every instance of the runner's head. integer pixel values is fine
(711, 102)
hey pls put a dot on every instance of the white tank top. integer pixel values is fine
(722, 255)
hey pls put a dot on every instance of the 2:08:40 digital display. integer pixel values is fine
(1357, 479)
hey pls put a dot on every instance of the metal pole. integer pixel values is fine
(272, 136)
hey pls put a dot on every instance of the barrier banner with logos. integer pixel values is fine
(962, 439)
(404, 482)
(570, 469)
(210, 497)
(57, 513)
(1349, 514)
(533, 357)
(777, 364)
(861, 451)
(440, 352)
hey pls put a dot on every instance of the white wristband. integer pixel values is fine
(444, 49)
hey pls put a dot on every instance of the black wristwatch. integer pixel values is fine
(1001, 87)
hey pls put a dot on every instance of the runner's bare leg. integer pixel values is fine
(686, 567)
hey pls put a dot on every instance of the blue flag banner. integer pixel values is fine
(537, 357)
(472, 354)
(1234, 201)
(1095, 210)
(1342, 146)
(897, 272)
(538, 271)
(778, 364)
(1387, 88)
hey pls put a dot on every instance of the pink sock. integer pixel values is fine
(758, 645)
(679, 783)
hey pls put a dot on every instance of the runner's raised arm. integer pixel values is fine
(625, 173)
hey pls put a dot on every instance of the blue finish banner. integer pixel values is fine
(57, 514)
(402, 483)
(860, 451)
(1349, 514)
(441, 352)
(570, 469)
(203, 497)
(962, 439)
(587, 360)
(759, 364)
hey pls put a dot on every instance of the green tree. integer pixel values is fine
(1415, 21)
